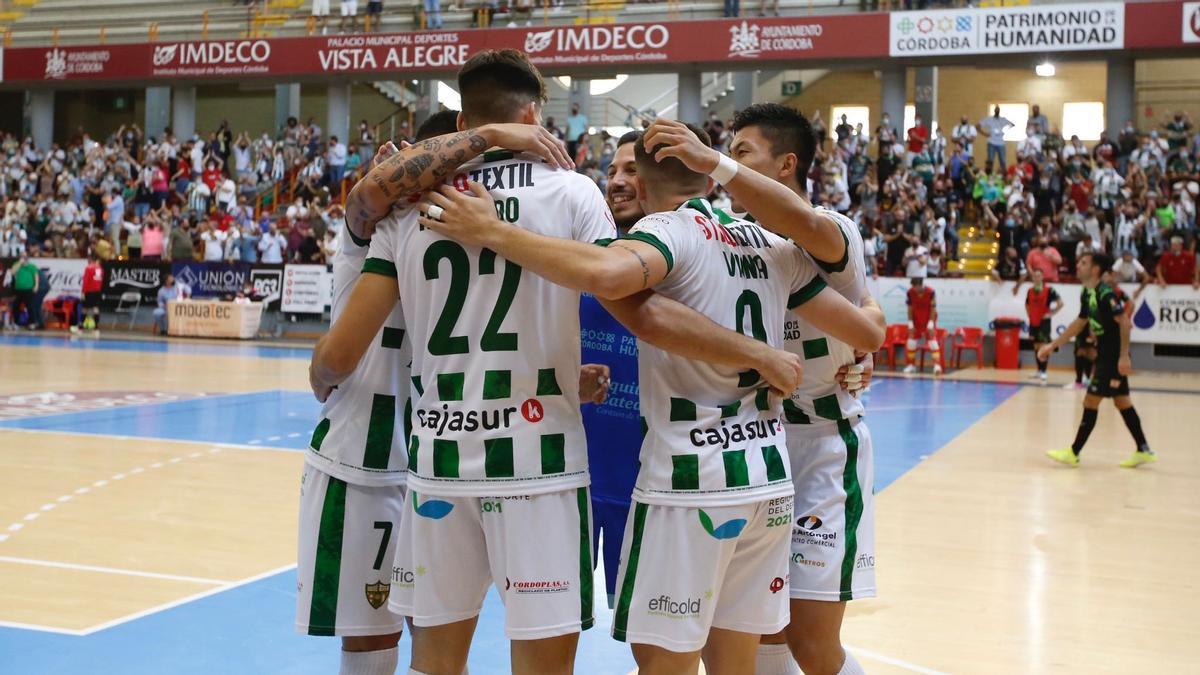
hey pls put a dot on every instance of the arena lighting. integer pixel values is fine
(1044, 69)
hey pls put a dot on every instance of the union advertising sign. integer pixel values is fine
(1035, 28)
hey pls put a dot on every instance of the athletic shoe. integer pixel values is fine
(1066, 456)
(937, 369)
(1138, 458)
(1042, 377)
(1074, 385)
(1034, 375)
(910, 369)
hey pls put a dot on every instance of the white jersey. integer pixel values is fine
(714, 437)
(496, 349)
(820, 400)
(364, 425)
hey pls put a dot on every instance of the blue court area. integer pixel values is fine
(249, 628)
(174, 346)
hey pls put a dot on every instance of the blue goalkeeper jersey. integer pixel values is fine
(614, 429)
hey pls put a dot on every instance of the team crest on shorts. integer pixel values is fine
(377, 594)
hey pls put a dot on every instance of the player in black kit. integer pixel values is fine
(1102, 312)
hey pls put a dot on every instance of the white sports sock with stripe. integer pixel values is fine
(851, 667)
(775, 660)
(381, 662)
(417, 672)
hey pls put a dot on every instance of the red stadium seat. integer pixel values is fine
(58, 312)
(896, 336)
(968, 338)
(941, 341)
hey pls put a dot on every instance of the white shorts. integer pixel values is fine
(320, 7)
(536, 549)
(686, 570)
(349, 7)
(348, 538)
(833, 534)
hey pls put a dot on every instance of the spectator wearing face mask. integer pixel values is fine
(1045, 258)
(1178, 266)
(994, 127)
(1178, 130)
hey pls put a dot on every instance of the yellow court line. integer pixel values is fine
(112, 570)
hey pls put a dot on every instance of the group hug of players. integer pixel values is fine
(464, 443)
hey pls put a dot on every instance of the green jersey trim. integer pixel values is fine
(808, 292)
(361, 243)
(834, 268)
(379, 266)
(647, 238)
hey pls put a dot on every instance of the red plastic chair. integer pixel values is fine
(896, 336)
(941, 340)
(57, 313)
(968, 338)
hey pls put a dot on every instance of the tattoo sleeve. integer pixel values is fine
(412, 170)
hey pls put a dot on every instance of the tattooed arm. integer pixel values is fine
(420, 166)
(623, 268)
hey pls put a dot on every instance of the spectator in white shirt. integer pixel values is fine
(916, 261)
(994, 127)
(241, 153)
(1087, 245)
(1127, 270)
(226, 195)
(337, 164)
(214, 242)
(272, 246)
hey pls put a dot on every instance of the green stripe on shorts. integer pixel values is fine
(586, 620)
(327, 568)
(380, 428)
(621, 616)
(854, 507)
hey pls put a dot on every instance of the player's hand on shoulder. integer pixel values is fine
(593, 383)
(782, 370)
(466, 217)
(668, 138)
(532, 138)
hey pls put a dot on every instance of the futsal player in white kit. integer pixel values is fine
(704, 563)
(497, 450)
(833, 537)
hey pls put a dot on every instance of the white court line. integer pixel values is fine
(184, 601)
(111, 570)
(895, 662)
(156, 439)
(144, 404)
(44, 629)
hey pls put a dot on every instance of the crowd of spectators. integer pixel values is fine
(221, 197)
(1133, 195)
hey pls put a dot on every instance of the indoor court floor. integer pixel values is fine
(148, 496)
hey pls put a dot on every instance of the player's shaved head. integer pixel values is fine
(497, 85)
(669, 173)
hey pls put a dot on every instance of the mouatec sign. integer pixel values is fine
(551, 48)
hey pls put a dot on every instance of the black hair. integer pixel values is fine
(629, 137)
(497, 83)
(786, 129)
(438, 124)
(1102, 260)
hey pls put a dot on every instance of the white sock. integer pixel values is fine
(775, 660)
(851, 667)
(415, 672)
(381, 662)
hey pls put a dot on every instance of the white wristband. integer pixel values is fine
(726, 169)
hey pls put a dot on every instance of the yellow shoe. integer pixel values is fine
(1139, 458)
(1066, 456)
